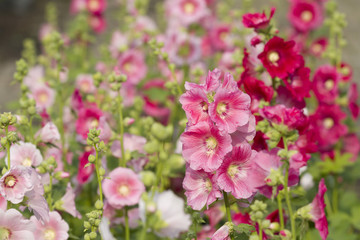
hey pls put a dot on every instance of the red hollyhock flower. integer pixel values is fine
(84, 173)
(96, 6)
(257, 20)
(305, 15)
(318, 46)
(346, 72)
(88, 118)
(280, 58)
(353, 96)
(299, 84)
(325, 84)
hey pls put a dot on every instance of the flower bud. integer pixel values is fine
(99, 205)
(148, 178)
(91, 158)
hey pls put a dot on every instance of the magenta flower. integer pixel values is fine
(84, 173)
(346, 72)
(187, 11)
(196, 105)
(14, 226)
(317, 211)
(96, 6)
(124, 188)
(97, 23)
(299, 83)
(132, 64)
(353, 99)
(56, 228)
(234, 174)
(280, 58)
(25, 154)
(212, 82)
(305, 15)
(220, 37)
(201, 189)
(325, 84)
(204, 146)
(88, 118)
(85, 83)
(257, 20)
(319, 46)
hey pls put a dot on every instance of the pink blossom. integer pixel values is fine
(96, 6)
(353, 100)
(98, 23)
(223, 233)
(317, 211)
(245, 133)
(212, 82)
(132, 143)
(305, 15)
(346, 72)
(132, 64)
(187, 11)
(325, 84)
(55, 228)
(123, 188)
(3, 203)
(183, 48)
(351, 145)
(84, 173)
(204, 146)
(220, 37)
(196, 105)
(77, 6)
(215, 214)
(25, 154)
(68, 202)
(298, 83)
(85, 83)
(14, 226)
(34, 77)
(49, 133)
(234, 174)
(44, 96)
(257, 20)
(118, 44)
(57, 154)
(201, 189)
(88, 118)
(318, 46)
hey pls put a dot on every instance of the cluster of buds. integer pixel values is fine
(28, 105)
(53, 43)
(22, 69)
(93, 221)
(29, 52)
(116, 80)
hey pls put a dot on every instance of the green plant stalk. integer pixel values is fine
(227, 206)
(122, 161)
(143, 231)
(7, 146)
(97, 166)
(127, 229)
(281, 216)
(260, 231)
(61, 120)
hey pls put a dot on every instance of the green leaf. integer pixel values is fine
(244, 228)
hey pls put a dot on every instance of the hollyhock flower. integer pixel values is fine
(353, 97)
(280, 58)
(317, 211)
(245, 133)
(286, 97)
(212, 82)
(55, 228)
(299, 83)
(49, 133)
(220, 37)
(172, 212)
(201, 189)
(132, 64)
(3, 203)
(204, 146)
(56, 153)
(68, 202)
(118, 44)
(85, 83)
(85, 173)
(88, 118)
(223, 233)
(195, 104)
(257, 20)
(76, 101)
(43, 95)
(215, 214)
(305, 15)
(34, 77)
(97, 23)
(318, 46)
(124, 188)
(105, 130)
(96, 6)
(351, 144)
(184, 49)
(25, 154)
(346, 72)
(132, 143)
(77, 6)
(233, 175)
(14, 226)
(187, 11)
(325, 84)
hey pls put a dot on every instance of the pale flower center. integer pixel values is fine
(85, 86)
(221, 109)
(273, 57)
(234, 171)
(306, 16)
(208, 185)
(49, 234)
(328, 123)
(4, 233)
(128, 67)
(94, 5)
(329, 84)
(317, 48)
(345, 71)
(223, 35)
(10, 181)
(27, 162)
(189, 7)
(94, 123)
(43, 97)
(204, 106)
(211, 143)
(124, 190)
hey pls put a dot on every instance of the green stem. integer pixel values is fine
(228, 213)
(143, 231)
(7, 146)
(61, 120)
(122, 161)
(97, 166)
(279, 200)
(260, 231)
(127, 229)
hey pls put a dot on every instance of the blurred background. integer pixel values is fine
(21, 19)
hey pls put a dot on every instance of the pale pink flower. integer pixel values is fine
(245, 133)
(187, 11)
(44, 96)
(57, 154)
(25, 154)
(132, 64)
(118, 44)
(223, 233)
(77, 6)
(184, 49)
(201, 189)
(68, 202)
(234, 174)
(204, 146)
(85, 83)
(14, 226)
(34, 77)
(49, 133)
(56, 228)
(3, 203)
(132, 143)
(123, 188)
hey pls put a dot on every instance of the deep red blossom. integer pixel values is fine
(88, 118)
(325, 84)
(257, 20)
(353, 97)
(84, 173)
(299, 83)
(318, 46)
(346, 72)
(280, 58)
(305, 15)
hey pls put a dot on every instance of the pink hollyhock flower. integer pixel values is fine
(43, 95)
(351, 144)
(132, 143)
(55, 228)
(77, 6)
(327, 123)
(97, 23)
(196, 105)
(96, 6)
(280, 58)
(124, 188)
(305, 15)
(105, 130)
(118, 44)
(317, 211)
(220, 37)
(49, 133)
(245, 133)
(34, 77)
(85, 173)
(132, 64)
(239, 218)
(3, 203)
(346, 72)
(319, 46)
(184, 49)
(14, 226)
(204, 146)
(187, 11)
(88, 118)
(201, 189)
(76, 101)
(212, 82)
(299, 83)
(353, 97)
(223, 233)
(25, 154)
(325, 84)
(68, 202)
(257, 20)
(215, 214)
(85, 83)
(234, 174)
(57, 154)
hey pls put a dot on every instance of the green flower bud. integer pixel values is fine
(99, 205)
(41, 170)
(87, 225)
(87, 236)
(151, 147)
(91, 158)
(148, 178)
(4, 141)
(97, 222)
(31, 110)
(93, 235)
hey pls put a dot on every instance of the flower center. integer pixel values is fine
(189, 7)
(317, 48)
(328, 123)
(232, 170)
(124, 190)
(221, 109)
(27, 162)
(306, 16)
(345, 70)
(94, 123)
(185, 50)
(211, 145)
(43, 97)
(208, 185)
(94, 5)
(223, 35)
(128, 67)
(329, 84)
(49, 234)
(204, 106)
(10, 181)
(273, 57)
(85, 86)
(4, 233)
